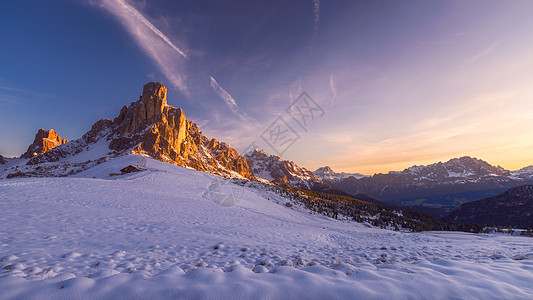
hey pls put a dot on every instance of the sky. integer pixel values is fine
(361, 86)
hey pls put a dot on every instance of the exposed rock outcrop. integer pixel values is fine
(2, 161)
(45, 140)
(151, 127)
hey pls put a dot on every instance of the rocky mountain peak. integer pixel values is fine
(154, 98)
(150, 127)
(474, 166)
(327, 174)
(45, 140)
(466, 167)
(524, 173)
(257, 153)
(149, 109)
(2, 161)
(274, 168)
(326, 169)
(155, 91)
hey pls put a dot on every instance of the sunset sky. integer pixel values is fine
(399, 82)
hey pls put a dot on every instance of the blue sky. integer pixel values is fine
(400, 82)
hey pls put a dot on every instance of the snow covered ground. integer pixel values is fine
(161, 234)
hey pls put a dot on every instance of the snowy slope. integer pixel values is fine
(160, 234)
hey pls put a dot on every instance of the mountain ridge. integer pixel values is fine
(147, 126)
(440, 187)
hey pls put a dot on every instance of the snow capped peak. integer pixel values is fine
(528, 169)
(274, 168)
(463, 167)
(256, 151)
(524, 173)
(326, 173)
(324, 169)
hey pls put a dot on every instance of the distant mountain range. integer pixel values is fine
(437, 188)
(511, 208)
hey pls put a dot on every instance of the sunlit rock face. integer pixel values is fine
(45, 140)
(150, 127)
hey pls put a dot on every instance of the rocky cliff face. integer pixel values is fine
(45, 140)
(2, 161)
(151, 127)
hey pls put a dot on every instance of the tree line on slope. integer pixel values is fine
(381, 216)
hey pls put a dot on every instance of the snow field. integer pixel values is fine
(159, 234)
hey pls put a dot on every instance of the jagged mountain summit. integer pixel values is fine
(437, 188)
(149, 127)
(274, 168)
(283, 172)
(328, 175)
(45, 140)
(511, 208)
(525, 174)
(467, 168)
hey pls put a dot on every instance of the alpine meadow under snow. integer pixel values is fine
(161, 233)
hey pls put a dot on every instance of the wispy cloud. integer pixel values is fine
(7, 88)
(124, 6)
(484, 52)
(316, 11)
(333, 89)
(230, 102)
(12, 90)
(316, 20)
(10, 99)
(169, 57)
(156, 44)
